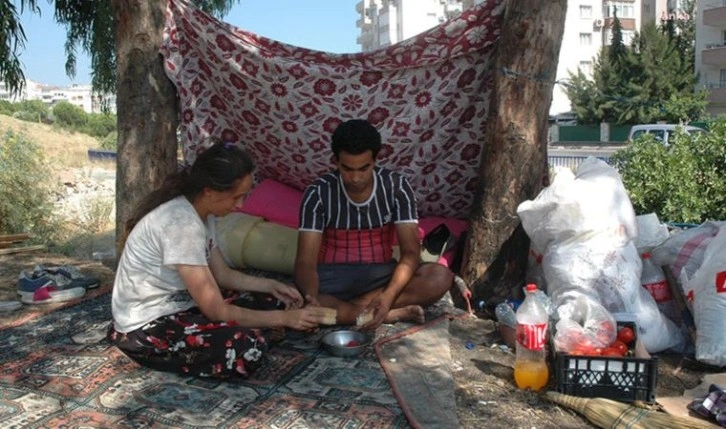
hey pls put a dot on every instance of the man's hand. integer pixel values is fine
(312, 301)
(379, 308)
(289, 295)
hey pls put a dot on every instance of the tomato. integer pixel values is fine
(619, 346)
(626, 335)
(352, 343)
(597, 351)
(612, 352)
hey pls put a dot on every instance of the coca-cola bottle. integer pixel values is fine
(530, 366)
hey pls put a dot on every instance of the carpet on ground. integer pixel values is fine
(417, 362)
(56, 370)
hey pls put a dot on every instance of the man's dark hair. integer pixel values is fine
(355, 137)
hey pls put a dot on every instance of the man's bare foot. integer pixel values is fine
(409, 313)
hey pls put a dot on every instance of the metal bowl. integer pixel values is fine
(338, 343)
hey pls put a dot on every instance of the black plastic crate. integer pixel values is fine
(624, 379)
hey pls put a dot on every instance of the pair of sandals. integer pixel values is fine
(437, 242)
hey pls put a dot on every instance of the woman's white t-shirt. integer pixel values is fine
(147, 283)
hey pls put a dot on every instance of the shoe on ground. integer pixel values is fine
(44, 290)
(67, 276)
(9, 306)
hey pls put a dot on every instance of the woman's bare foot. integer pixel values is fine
(409, 313)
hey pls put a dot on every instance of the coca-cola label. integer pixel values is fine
(532, 336)
(659, 291)
(721, 282)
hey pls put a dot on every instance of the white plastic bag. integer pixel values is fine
(709, 303)
(651, 232)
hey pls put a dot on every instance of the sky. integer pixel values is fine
(326, 25)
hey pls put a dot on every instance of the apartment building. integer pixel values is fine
(384, 23)
(711, 52)
(78, 95)
(31, 91)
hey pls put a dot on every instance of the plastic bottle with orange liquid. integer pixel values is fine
(530, 366)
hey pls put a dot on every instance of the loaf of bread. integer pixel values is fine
(364, 318)
(330, 317)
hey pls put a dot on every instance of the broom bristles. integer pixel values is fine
(606, 413)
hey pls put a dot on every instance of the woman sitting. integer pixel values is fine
(168, 310)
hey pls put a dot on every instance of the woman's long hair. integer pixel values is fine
(219, 168)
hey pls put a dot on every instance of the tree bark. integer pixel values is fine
(514, 158)
(146, 105)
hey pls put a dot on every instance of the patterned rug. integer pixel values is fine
(57, 371)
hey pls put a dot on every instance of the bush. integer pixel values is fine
(110, 142)
(69, 116)
(6, 108)
(100, 125)
(32, 111)
(25, 189)
(684, 182)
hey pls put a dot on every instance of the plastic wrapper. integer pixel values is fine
(583, 325)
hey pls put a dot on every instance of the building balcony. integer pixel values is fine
(716, 92)
(714, 54)
(365, 38)
(628, 24)
(715, 16)
(363, 23)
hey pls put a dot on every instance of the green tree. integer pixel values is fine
(12, 41)
(617, 51)
(650, 80)
(69, 116)
(681, 27)
(588, 98)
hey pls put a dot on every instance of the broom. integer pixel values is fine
(606, 413)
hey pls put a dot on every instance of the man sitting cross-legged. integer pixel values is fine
(348, 219)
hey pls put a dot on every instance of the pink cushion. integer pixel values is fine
(275, 202)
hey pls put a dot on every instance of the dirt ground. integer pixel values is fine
(485, 392)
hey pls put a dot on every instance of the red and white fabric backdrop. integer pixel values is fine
(428, 96)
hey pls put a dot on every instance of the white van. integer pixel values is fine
(567, 118)
(661, 132)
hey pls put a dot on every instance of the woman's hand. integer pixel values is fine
(304, 319)
(289, 295)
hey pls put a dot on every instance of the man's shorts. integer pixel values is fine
(347, 281)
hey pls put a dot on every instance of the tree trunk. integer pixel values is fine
(514, 159)
(146, 104)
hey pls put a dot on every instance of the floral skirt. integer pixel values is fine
(189, 343)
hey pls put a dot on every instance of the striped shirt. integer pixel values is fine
(357, 232)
